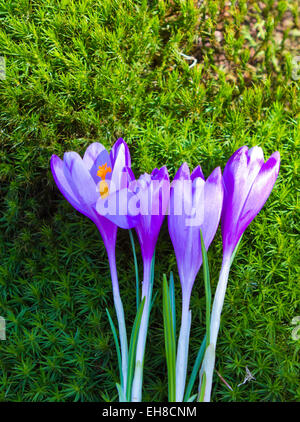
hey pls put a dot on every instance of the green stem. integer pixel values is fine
(141, 344)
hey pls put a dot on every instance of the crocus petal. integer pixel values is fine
(92, 153)
(184, 236)
(235, 182)
(127, 178)
(180, 206)
(198, 196)
(58, 171)
(197, 172)
(183, 172)
(238, 176)
(81, 180)
(255, 161)
(95, 156)
(205, 199)
(213, 199)
(160, 174)
(259, 192)
(115, 208)
(119, 164)
(153, 194)
(116, 150)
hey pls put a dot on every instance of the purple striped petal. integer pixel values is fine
(205, 199)
(197, 172)
(94, 157)
(116, 150)
(259, 192)
(80, 179)
(213, 199)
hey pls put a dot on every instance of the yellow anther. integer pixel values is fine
(103, 187)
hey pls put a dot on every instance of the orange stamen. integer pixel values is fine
(103, 187)
(103, 170)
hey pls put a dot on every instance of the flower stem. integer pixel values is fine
(183, 348)
(209, 359)
(120, 316)
(140, 349)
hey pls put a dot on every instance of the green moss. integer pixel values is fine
(79, 72)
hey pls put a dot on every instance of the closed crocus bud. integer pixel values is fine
(151, 201)
(248, 182)
(195, 203)
(153, 196)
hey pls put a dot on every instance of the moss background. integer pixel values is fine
(84, 71)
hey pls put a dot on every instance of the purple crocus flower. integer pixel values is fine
(194, 204)
(248, 182)
(151, 201)
(90, 181)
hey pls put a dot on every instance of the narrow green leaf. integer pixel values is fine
(202, 389)
(152, 269)
(192, 398)
(172, 298)
(122, 397)
(151, 285)
(195, 370)
(132, 348)
(136, 270)
(207, 288)
(153, 300)
(206, 339)
(169, 341)
(113, 329)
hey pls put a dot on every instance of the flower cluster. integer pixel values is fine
(102, 186)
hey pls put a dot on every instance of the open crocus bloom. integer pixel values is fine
(91, 180)
(194, 204)
(248, 182)
(88, 184)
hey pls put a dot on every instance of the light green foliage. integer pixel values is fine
(84, 71)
